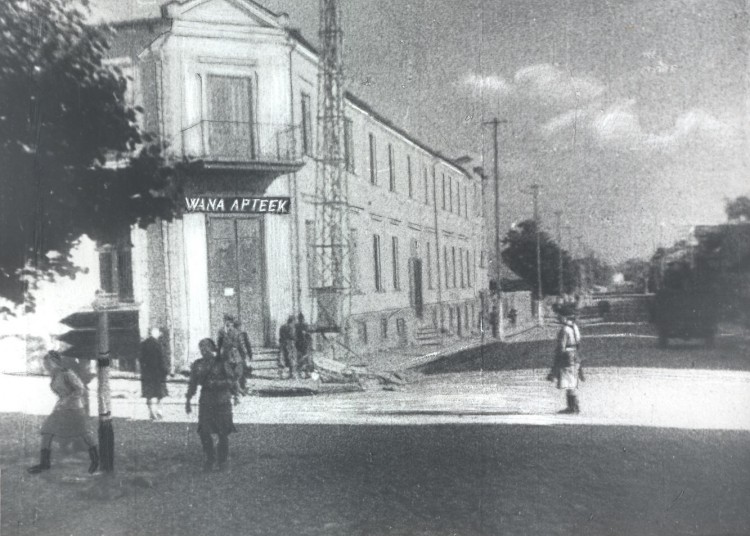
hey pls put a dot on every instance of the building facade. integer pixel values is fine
(229, 84)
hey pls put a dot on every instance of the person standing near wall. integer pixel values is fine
(287, 344)
(246, 354)
(303, 345)
(154, 366)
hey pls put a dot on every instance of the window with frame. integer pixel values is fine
(426, 176)
(444, 191)
(396, 278)
(354, 258)
(349, 145)
(466, 202)
(383, 327)
(362, 332)
(482, 259)
(409, 176)
(450, 193)
(307, 136)
(447, 265)
(461, 267)
(429, 265)
(458, 193)
(230, 125)
(373, 159)
(453, 263)
(116, 268)
(312, 279)
(377, 268)
(391, 169)
(469, 255)
(401, 326)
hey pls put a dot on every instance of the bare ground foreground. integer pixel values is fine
(472, 446)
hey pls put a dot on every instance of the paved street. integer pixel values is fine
(473, 445)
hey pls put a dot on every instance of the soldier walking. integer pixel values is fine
(566, 370)
(219, 386)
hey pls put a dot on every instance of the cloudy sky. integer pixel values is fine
(632, 115)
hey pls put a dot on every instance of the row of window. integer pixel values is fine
(460, 319)
(455, 196)
(457, 265)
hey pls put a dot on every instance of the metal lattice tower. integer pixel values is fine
(331, 246)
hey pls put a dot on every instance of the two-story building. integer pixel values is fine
(228, 83)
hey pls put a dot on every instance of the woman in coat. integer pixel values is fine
(68, 419)
(154, 371)
(219, 387)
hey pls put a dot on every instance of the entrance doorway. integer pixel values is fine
(418, 295)
(236, 279)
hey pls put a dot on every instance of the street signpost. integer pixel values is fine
(103, 334)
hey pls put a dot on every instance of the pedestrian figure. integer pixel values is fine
(68, 419)
(495, 322)
(246, 353)
(287, 356)
(219, 387)
(154, 365)
(229, 344)
(566, 369)
(513, 316)
(303, 345)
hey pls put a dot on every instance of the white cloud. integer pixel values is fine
(492, 83)
(553, 86)
(619, 126)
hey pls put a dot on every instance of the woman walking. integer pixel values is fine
(154, 370)
(219, 387)
(68, 418)
(566, 369)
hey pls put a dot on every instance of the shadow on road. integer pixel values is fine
(598, 350)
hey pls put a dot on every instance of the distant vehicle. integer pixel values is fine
(685, 314)
(598, 289)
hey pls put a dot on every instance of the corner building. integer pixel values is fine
(228, 83)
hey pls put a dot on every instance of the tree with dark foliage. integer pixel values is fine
(520, 256)
(64, 122)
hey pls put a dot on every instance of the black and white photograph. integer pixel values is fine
(374, 267)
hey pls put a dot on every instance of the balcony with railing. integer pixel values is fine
(265, 148)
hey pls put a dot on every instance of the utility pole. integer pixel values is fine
(104, 399)
(535, 192)
(569, 240)
(496, 169)
(582, 263)
(558, 214)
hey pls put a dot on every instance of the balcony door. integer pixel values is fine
(230, 124)
(236, 279)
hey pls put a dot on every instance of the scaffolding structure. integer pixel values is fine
(331, 289)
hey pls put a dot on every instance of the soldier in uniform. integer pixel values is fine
(219, 385)
(566, 370)
(228, 347)
(287, 343)
(303, 345)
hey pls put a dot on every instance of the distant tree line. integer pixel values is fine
(519, 254)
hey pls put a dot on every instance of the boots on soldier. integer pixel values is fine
(44, 462)
(570, 408)
(576, 407)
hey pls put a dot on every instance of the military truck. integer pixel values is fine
(685, 314)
